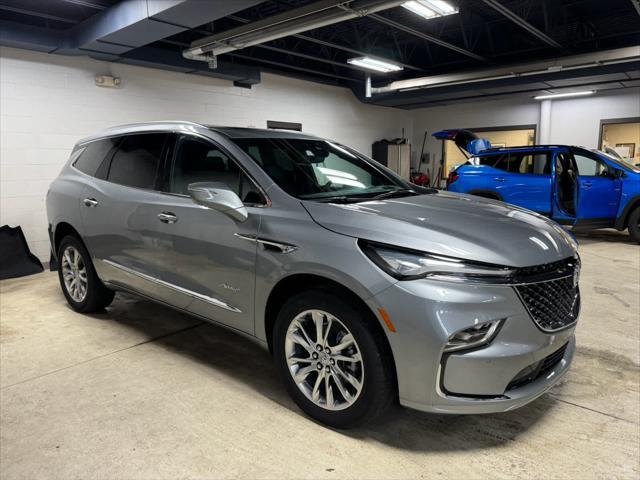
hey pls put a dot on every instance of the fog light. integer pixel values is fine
(479, 334)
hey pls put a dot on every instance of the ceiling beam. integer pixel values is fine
(32, 13)
(84, 3)
(522, 23)
(427, 37)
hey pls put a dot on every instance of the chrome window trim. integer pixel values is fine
(205, 298)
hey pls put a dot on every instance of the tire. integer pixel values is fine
(374, 373)
(94, 296)
(634, 225)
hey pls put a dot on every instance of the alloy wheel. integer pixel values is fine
(324, 360)
(74, 274)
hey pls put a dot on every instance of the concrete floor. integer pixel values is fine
(144, 392)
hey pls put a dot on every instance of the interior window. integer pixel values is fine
(537, 164)
(90, 157)
(137, 160)
(198, 160)
(590, 167)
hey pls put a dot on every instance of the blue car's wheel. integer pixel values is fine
(634, 224)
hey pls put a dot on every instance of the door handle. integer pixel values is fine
(499, 179)
(167, 217)
(90, 202)
(587, 184)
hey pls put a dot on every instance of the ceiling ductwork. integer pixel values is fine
(315, 15)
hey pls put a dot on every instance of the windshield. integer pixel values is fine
(620, 163)
(320, 170)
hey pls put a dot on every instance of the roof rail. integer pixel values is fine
(154, 122)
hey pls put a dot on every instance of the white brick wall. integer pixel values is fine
(48, 102)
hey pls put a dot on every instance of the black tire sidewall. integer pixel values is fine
(377, 390)
(634, 229)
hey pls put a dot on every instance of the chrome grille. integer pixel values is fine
(553, 304)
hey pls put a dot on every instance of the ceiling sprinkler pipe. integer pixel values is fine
(576, 62)
(316, 15)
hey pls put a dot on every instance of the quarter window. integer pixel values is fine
(198, 160)
(137, 160)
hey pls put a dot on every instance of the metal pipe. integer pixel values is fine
(315, 15)
(576, 62)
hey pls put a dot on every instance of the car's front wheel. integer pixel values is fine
(334, 364)
(634, 225)
(80, 284)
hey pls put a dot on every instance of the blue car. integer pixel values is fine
(582, 188)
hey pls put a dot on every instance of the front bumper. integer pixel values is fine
(482, 380)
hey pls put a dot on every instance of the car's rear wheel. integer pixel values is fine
(334, 365)
(80, 284)
(634, 225)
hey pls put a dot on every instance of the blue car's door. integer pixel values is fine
(599, 189)
(523, 179)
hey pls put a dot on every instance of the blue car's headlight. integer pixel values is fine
(405, 264)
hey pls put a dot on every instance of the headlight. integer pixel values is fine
(406, 264)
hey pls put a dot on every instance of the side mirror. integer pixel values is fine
(218, 196)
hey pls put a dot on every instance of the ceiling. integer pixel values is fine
(480, 37)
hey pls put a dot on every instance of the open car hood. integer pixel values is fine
(466, 140)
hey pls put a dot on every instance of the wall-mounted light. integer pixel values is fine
(430, 8)
(107, 81)
(564, 95)
(374, 64)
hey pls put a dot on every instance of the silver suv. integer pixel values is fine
(367, 289)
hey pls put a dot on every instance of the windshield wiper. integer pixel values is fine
(338, 199)
(401, 192)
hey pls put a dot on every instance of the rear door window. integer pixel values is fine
(93, 154)
(509, 163)
(536, 164)
(525, 162)
(137, 161)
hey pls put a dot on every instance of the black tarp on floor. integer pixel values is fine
(15, 258)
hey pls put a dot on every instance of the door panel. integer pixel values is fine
(124, 236)
(212, 268)
(599, 190)
(523, 179)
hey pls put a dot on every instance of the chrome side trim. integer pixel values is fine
(190, 293)
(283, 247)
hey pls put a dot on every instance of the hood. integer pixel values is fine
(454, 225)
(466, 140)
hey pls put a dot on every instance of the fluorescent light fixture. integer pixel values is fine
(562, 95)
(430, 8)
(374, 64)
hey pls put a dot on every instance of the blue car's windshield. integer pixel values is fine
(619, 163)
